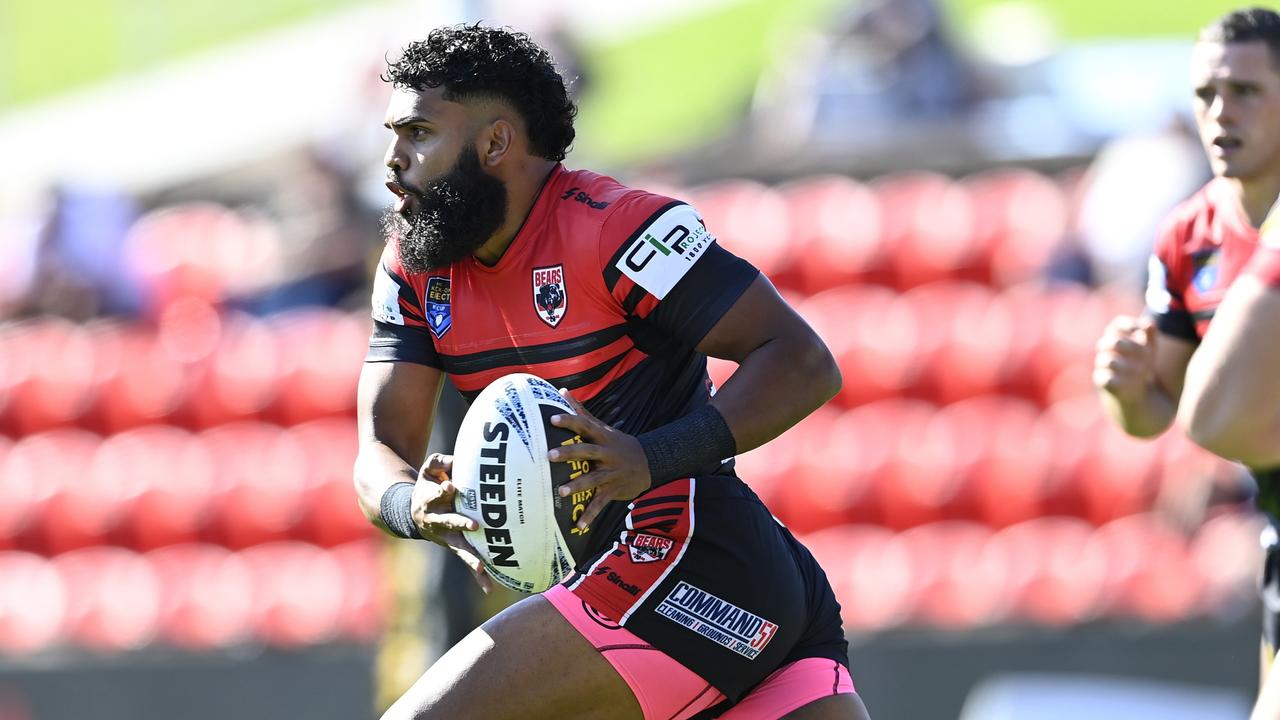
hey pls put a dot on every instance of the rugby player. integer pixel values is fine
(1231, 402)
(1142, 364)
(500, 259)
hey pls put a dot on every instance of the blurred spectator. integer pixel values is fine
(885, 61)
(1132, 184)
(76, 269)
(324, 240)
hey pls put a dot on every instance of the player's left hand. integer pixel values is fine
(619, 469)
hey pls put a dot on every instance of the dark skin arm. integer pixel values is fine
(784, 373)
(395, 407)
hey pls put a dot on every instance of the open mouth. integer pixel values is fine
(403, 196)
(1227, 142)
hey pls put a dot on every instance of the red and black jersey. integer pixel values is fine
(605, 290)
(1201, 247)
(1265, 264)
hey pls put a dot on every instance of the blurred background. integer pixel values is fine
(958, 194)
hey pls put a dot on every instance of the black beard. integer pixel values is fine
(453, 217)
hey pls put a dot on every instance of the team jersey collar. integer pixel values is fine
(543, 205)
(1230, 206)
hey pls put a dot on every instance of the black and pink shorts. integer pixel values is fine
(708, 607)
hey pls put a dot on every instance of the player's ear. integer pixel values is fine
(498, 138)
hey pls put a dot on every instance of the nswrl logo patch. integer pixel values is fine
(436, 306)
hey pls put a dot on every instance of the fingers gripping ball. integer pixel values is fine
(527, 536)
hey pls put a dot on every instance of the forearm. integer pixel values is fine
(1145, 416)
(377, 468)
(776, 386)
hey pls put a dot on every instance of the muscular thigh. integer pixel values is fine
(834, 707)
(528, 663)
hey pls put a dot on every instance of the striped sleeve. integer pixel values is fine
(400, 330)
(661, 264)
(1164, 296)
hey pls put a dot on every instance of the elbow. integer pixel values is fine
(821, 372)
(1228, 433)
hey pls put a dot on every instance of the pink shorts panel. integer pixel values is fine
(790, 687)
(665, 689)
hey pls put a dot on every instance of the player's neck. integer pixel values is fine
(1257, 195)
(522, 192)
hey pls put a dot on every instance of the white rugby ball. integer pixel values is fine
(527, 537)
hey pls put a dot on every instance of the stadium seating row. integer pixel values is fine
(1049, 571)
(197, 368)
(192, 596)
(237, 485)
(899, 463)
(954, 574)
(997, 460)
(815, 233)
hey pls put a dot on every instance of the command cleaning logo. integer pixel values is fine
(719, 621)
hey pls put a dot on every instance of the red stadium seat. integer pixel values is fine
(298, 593)
(961, 580)
(1056, 577)
(969, 332)
(929, 228)
(160, 479)
(322, 351)
(260, 477)
(1021, 216)
(33, 603)
(1070, 429)
(332, 517)
(197, 250)
(805, 488)
(1067, 321)
(1150, 569)
(838, 472)
(871, 572)
(876, 340)
(16, 496)
(1002, 462)
(41, 481)
(115, 600)
(750, 220)
(1120, 475)
(366, 592)
(916, 481)
(836, 233)
(925, 480)
(206, 596)
(48, 368)
(140, 381)
(1226, 554)
(241, 376)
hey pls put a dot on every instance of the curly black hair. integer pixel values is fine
(472, 61)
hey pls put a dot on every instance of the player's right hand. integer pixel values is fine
(433, 513)
(1124, 364)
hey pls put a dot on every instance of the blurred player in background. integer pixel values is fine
(1142, 363)
(499, 259)
(1231, 402)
